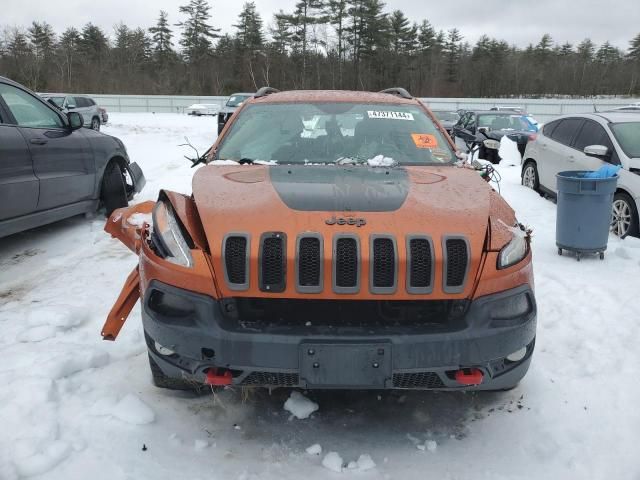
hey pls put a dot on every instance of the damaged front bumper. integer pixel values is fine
(189, 335)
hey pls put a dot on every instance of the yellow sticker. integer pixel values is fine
(424, 140)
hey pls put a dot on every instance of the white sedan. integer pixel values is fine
(586, 142)
(199, 109)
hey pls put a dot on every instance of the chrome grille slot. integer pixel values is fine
(383, 261)
(456, 261)
(235, 254)
(272, 262)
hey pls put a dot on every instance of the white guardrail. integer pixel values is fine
(542, 109)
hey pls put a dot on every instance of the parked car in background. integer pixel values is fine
(199, 109)
(104, 116)
(507, 108)
(634, 107)
(51, 168)
(82, 104)
(234, 101)
(586, 142)
(447, 118)
(493, 125)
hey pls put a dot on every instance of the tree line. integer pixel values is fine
(321, 44)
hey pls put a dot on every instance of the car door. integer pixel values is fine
(62, 159)
(18, 182)
(558, 153)
(83, 107)
(592, 133)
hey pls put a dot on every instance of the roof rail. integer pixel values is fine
(264, 91)
(398, 92)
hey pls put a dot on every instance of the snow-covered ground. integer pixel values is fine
(73, 406)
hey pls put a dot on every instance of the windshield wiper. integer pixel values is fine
(198, 159)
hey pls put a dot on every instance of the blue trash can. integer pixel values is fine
(584, 212)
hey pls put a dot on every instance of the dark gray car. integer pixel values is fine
(51, 168)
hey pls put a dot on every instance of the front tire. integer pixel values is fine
(624, 218)
(114, 191)
(95, 124)
(530, 177)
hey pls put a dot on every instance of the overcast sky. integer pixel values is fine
(519, 22)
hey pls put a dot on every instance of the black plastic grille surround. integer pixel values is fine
(235, 259)
(417, 380)
(421, 263)
(274, 379)
(272, 262)
(346, 263)
(457, 261)
(309, 262)
(384, 263)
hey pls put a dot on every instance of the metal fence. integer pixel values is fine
(543, 109)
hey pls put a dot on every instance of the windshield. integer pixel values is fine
(57, 100)
(628, 136)
(236, 100)
(446, 116)
(506, 122)
(381, 134)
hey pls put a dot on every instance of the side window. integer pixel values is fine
(27, 110)
(71, 102)
(592, 133)
(566, 130)
(548, 128)
(80, 102)
(90, 102)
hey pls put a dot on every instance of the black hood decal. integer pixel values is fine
(340, 188)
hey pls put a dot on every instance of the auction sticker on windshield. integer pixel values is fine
(424, 140)
(390, 115)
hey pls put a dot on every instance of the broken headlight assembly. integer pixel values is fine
(515, 251)
(168, 238)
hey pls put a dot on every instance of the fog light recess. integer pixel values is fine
(517, 355)
(163, 350)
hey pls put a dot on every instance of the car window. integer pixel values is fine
(566, 130)
(628, 135)
(57, 101)
(81, 102)
(548, 129)
(71, 102)
(502, 121)
(28, 110)
(328, 133)
(592, 133)
(90, 102)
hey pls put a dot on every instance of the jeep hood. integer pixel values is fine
(436, 201)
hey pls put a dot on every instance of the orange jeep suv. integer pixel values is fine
(333, 240)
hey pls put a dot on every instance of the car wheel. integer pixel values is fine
(624, 218)
(530, 176)
(160, 380)
(95, 124)
(114, 191)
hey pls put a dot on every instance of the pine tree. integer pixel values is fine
(161, 36)
(67, 52)
(249, 35)
(197, 34)
(281, 33)
(42, 40)
(452, 53)
(634, 49)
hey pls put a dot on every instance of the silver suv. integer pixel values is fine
(82, 104)
(586, 142)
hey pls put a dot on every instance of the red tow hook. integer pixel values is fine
(218, 379)
(469, 376)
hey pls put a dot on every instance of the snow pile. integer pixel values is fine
(430, 445)
(139, 219)
(363, 464)
(300, 406)
(314, 449)
(509, 153)
(133, 410)
(333, 462)
(381, 161)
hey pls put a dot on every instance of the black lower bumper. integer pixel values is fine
(195, 335)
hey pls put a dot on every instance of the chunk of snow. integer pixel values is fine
(381, 161)
(200, 445)
(314, 449)
(300, 406)
(365, 462)
(139, 219)
(333, 462)
(431, 445)
(219, 163)
(131, 409)
(509, 152)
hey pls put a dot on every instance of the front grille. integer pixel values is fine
(420, 268)
(272, 262)
(309, 262)
(457, 261)
(235, 260)
(274, 379)
(383, 256)
(346, 265)
(417, 380)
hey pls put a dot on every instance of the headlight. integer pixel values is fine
(493, 144)
(166, 230)
(515, 250)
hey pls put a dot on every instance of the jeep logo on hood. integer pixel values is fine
(358, 222)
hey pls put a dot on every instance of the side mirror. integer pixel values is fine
(596, 151)
(75, 120)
